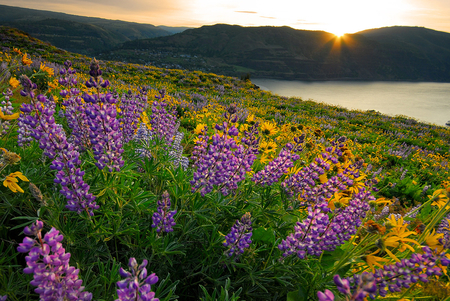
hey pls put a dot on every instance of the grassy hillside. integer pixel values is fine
(186, 185)
(78, 34)
(283, 52)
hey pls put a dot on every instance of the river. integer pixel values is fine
(424, 101)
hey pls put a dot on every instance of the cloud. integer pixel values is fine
(245, 12)
(267, 17)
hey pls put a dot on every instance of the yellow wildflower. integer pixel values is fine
(9, 117)
(11, 181)
(268, 129)
(46, 69)
(432, 240)
(9, 158)
(251, 119)
(372, 260)
(199, 128)
(14, 82)
(17, 51)
(398, 236)
(440, 198)
(25, 60)
(268, 147)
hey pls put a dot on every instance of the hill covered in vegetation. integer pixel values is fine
(85, 35)
(398, 53)
(124, 181)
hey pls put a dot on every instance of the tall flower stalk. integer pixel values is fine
(66, 159)
(48, 261)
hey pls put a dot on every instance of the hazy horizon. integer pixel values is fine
(346, 16)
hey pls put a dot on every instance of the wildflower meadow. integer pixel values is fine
(131, 182)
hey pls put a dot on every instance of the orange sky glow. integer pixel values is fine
(338, 17)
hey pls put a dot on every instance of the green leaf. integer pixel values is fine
(298, 295)
(264, 235)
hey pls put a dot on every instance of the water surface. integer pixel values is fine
(424, 101)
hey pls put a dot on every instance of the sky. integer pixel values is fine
(335, 16)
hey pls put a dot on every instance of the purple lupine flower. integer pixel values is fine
(136, 285)
(273, 171)
(444, 228)
(305, 180)
(163, 218)
(162, 120)
(74, 108)
(25, 121)
(52, 140)
(240, 236)
(48, 261)
(223, 163)
(392, 278)
(131, 107)
(319, 232)
(106, 137)
(326, 296)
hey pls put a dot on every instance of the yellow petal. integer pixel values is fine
(392, 255)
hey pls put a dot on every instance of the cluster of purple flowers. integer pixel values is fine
(321, 231)
(273, 171)
(106, 137)
(105, 134)
(49, 263)
(163, 218)
(240, 236)
(74, 108)
(52, 140)
(137, 284)
(305, 182)
(131, 107)
(223, 162)
(444, 228)
(391, 278)
(163, 122)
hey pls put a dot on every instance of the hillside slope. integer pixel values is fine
(284, 52)
(79, 34)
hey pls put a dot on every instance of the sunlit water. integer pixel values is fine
(428, 102)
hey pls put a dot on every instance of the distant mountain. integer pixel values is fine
(79, 34)
(174, 29)
(393, 53)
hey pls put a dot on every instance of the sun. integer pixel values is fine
(339, 34)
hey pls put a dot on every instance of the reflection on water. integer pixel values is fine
(429, 102)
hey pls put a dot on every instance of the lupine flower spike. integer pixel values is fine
(163, 217)
(137, 285)
(49, 264)
(240, 236)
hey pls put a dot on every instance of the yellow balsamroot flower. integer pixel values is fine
(199, 128)
(398, 236)
(11, 181)
(8, 157)
(268, 129)
(373, 260)
(440, 198)
(267, 147)
(17, 51)
(251, 119)
(25, 60)
(432, 240)
(13, 82)
(340, 199)
(9, 117)
(47, 70)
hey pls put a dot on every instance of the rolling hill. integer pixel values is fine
(394, 53)
(79, 34)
